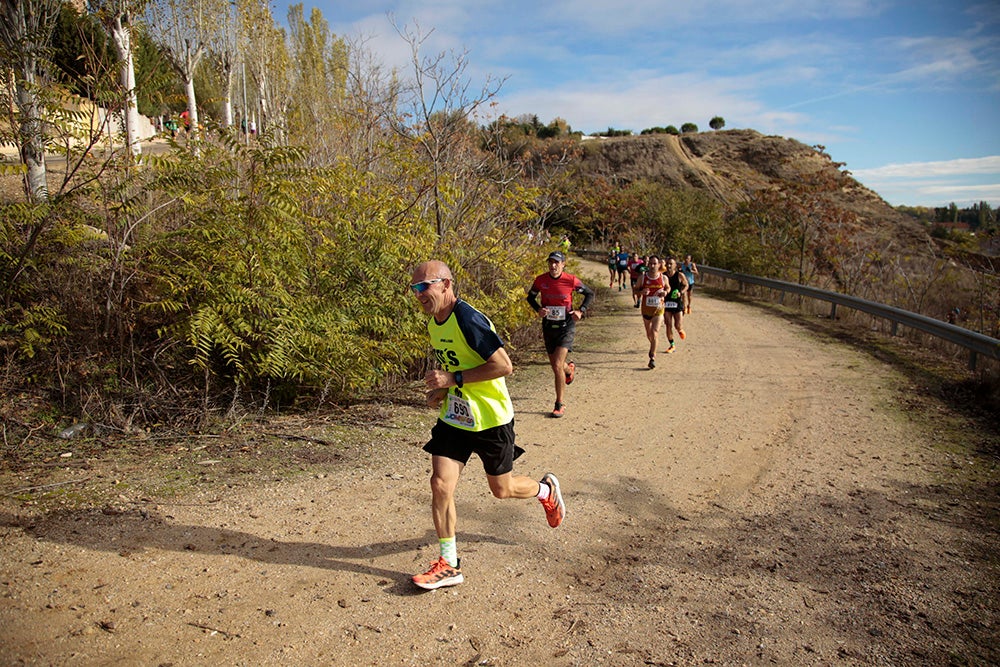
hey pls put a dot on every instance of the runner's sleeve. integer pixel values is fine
(477, 330)
(533, 299)
(588, 295)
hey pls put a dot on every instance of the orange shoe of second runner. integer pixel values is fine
(555, 510)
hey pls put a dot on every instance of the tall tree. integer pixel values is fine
(442, 112)
(318, 77)
(25, 34)
(186, 27)
(263, 45)
(225, 54)
(117, 15)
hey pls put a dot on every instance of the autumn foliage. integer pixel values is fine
(226, 271)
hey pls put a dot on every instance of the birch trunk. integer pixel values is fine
(227, 103)
(122, 37)
(32, 142)
(192, 105)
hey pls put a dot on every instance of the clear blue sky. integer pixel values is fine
(905, 92)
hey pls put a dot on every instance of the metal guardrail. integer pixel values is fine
(976, 343)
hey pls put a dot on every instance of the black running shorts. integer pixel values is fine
(494, 446)
(558, 337)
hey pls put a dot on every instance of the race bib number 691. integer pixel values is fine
(459, 413)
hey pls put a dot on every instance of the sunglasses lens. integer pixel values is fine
(424, 285)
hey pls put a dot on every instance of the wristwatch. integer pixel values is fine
(458, 379)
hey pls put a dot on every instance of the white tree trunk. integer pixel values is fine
(32, 140)
(227, 87)
(122, 37)
(192, 104)
(25, 32)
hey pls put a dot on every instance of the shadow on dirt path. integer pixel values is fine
(764, 496)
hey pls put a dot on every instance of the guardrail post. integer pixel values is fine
(833, 311)
(972, 360)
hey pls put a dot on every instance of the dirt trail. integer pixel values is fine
(705, 174)
(758, 498)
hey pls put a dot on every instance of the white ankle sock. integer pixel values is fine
(449, 550)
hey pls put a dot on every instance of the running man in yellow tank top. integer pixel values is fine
(476, 416)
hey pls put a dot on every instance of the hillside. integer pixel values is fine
(729, 163)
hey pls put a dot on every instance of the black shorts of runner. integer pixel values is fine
(495, 446)
(622, 270)
(558, 337)
(649, 317)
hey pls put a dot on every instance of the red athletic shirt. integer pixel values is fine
(557, 291)
(650, 286)
(633, 268)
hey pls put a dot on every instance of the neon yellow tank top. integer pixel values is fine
(466, 340)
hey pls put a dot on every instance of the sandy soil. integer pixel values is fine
(761, 497)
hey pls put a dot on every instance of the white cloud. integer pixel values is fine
(937, 193)
(935, 183)
(989, 191)
(642, 101)
(911, 170)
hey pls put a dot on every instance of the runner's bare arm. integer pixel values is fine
(498, 365)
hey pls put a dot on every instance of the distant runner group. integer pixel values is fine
(468, 386)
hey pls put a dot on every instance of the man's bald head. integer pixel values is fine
(430, 270)
(438, 297)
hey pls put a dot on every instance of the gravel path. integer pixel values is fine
(761, 497)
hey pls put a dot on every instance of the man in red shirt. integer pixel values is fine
(556, 288)
(636, 267)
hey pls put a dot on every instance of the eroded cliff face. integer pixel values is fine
(731, 164)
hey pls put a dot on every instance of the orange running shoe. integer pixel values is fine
(555, 510)
(671, 349)
(572, 373)
(441, 574)
(559, 410)
(682, 334)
